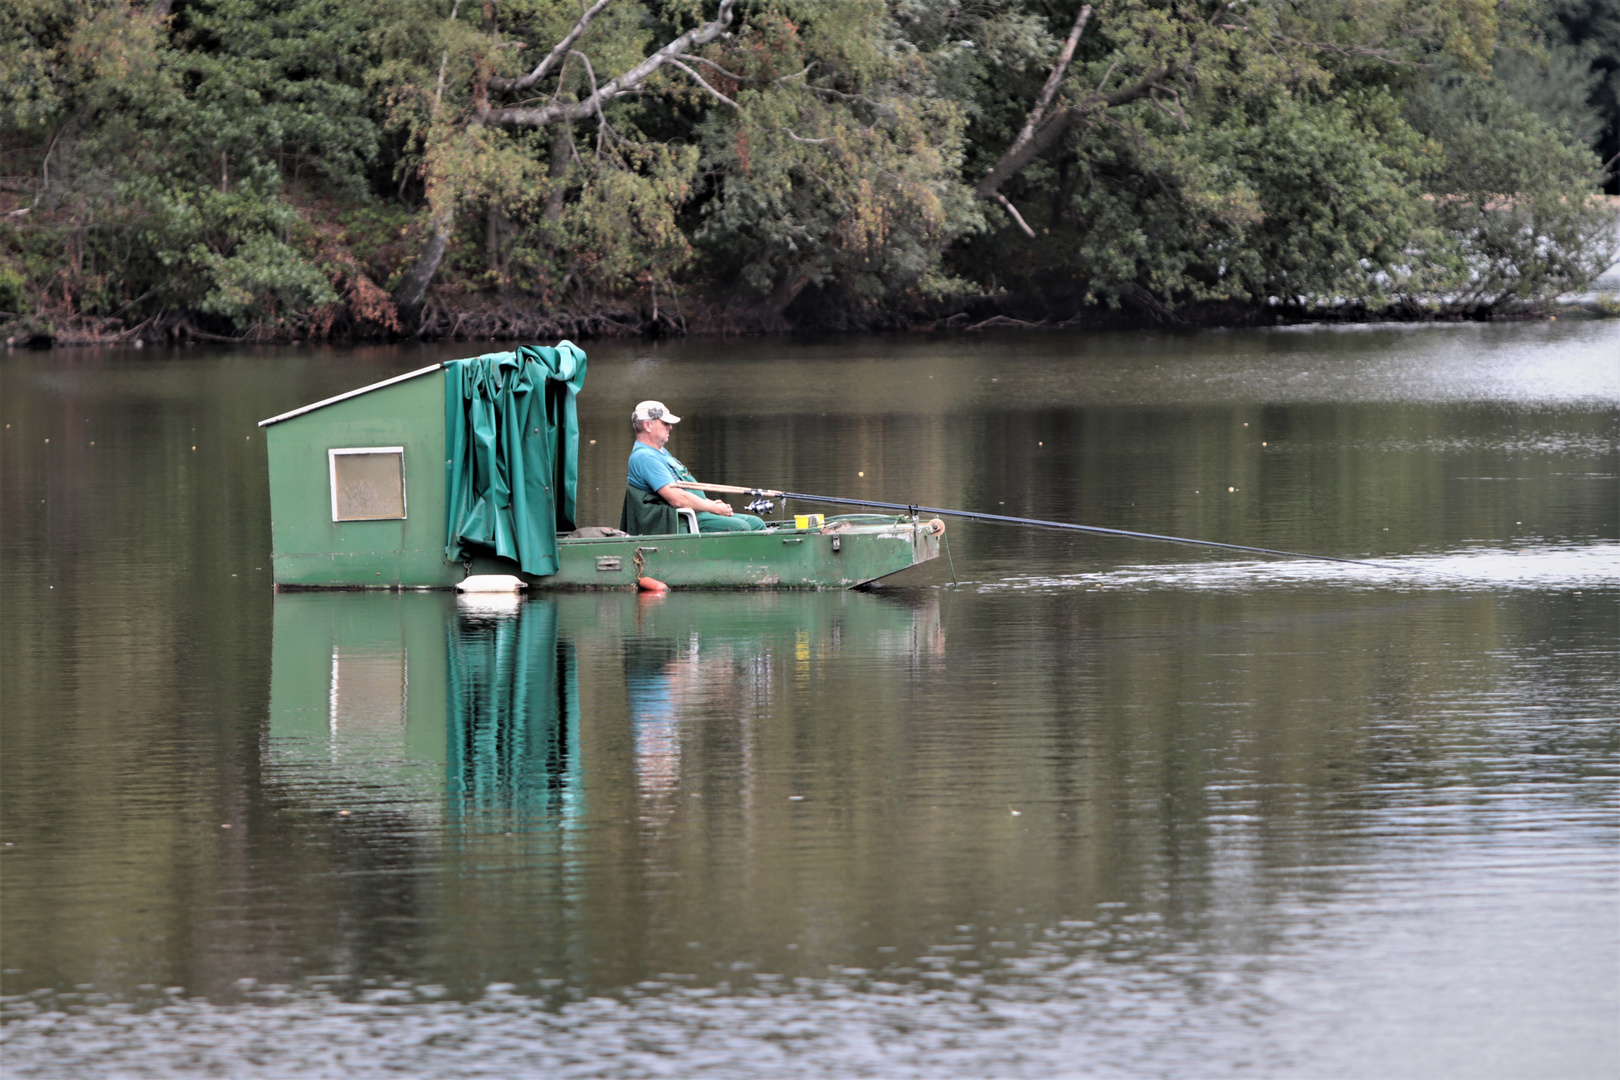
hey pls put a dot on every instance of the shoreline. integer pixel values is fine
(508, 323)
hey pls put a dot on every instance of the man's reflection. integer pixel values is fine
(677, 678)
(656, 679)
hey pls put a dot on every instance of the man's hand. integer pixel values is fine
(691, 500)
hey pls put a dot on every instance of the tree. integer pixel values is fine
(478, 89)
(289, 167)
(1180, 153)
(1512, 197)
(837, 172)
(161, 141)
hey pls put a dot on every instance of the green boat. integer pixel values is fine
(466, 471)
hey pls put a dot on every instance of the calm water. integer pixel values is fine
(1098, 808)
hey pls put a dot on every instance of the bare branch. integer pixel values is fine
(1052, 129)
(438, 91)
(619, 85)
(603, 129)
(1178, 113)
(1021, 150)
(881, 108)
(1018, 218)
(1109, 74)
(45, 166)
(1037, 134)
(558, 51)
(802, 139)
(700, 81)
(739, 79)
(1044, 100)
(839, 95)
(1146, 85)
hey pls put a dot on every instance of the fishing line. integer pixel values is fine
(1005, 519)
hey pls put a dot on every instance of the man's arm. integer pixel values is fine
(690, 500)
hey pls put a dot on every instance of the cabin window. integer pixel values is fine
(368, 483)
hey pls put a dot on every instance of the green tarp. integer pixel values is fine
(511, 437)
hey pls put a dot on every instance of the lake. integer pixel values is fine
(1055, 805)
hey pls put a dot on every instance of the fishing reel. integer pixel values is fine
(761, 506)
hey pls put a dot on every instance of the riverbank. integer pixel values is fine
(457, 319)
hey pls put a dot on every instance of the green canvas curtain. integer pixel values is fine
(512, 452)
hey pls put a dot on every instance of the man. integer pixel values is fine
(651, 497)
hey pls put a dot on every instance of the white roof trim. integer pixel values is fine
(350, 394)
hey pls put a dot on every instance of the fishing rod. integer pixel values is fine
(1004, 519)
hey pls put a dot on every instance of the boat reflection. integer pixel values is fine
(498, 713)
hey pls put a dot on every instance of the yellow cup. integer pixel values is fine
(808, 521)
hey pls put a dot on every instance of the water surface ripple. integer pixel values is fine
(1097, 808)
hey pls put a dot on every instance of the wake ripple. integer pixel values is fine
(1559, 567)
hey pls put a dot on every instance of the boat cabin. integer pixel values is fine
(406, 482)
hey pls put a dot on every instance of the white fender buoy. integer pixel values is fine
(491, 583)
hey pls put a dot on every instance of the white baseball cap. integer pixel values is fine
(654, 410)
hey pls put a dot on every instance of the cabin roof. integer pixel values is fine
(300, 411)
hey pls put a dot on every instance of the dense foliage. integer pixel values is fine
(311, 168)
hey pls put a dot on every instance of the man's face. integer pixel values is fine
(659, 432)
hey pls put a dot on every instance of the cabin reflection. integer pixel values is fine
(437, 709)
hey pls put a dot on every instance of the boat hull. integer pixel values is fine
(840, 555)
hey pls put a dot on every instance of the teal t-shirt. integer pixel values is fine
(652, 469)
